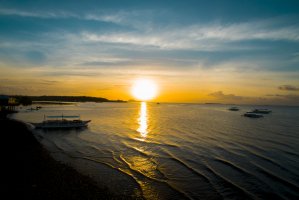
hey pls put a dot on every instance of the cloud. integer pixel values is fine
(48, 82)
(287, 96)
(227, 97)
(107, 63)
(205, 37)
(70, 73)
(288, 99)
(288, 88)
(122, 18)
(175, 48)
(143, 30)
(26, 85)
(236, 99)
(42, 14)
(270, 99)
(255, 30)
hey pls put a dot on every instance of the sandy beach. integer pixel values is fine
(31, 173)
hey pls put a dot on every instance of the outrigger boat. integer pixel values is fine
(252, 115)
(262, 111)
(234, 108)
(61, 122)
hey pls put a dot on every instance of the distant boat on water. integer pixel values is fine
(252, 115)
(262, 111)
(61, 122)
(234, 108)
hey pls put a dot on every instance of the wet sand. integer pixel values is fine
(31, 173)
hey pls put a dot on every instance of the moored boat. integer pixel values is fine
(262, 111)
(234, 108)
(61, 122)
(252, 115)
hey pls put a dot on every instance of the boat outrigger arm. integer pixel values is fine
(61, 116)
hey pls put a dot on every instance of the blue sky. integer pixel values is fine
(202, 41)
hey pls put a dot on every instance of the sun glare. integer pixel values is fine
(144, 89)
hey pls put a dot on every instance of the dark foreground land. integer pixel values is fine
(31, 173)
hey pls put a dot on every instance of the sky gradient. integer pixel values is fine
(242, 51)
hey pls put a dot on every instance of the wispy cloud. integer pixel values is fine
(122, 18)
(103, 60)
(36, 14)
(288, 88)
(199, 37)
(195, 35)
(268, 99)
(226, 97)
(289, 97)
(236, 99)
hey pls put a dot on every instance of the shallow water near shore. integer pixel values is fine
(179, 151)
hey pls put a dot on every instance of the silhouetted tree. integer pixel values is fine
(24, 100)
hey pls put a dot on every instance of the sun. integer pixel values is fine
(144, 89)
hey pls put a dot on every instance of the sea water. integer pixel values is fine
(179, 151)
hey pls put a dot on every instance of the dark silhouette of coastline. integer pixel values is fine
(31, 173)
(68, 98)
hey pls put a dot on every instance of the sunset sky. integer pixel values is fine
(242, 51)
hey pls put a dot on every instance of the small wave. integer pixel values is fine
(190, 169)
(206, 189)
(149, 142)
(257, 186)
(144, 166)
(227, 188)
(137, 150)
(277, 178)
(148, 183)
(291, 153)
(58, 146)
(279, 144)
(268, 160)
(120, 173)
(234, 167)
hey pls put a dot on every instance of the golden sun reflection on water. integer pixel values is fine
(142, 120)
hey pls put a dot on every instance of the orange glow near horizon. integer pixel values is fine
(227, 87)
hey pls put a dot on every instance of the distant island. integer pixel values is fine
(27, 100)
(72, 99)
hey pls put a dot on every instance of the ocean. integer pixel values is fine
(179, 151)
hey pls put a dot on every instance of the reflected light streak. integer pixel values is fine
(142, 120)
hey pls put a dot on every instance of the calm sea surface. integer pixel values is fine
(179, 151)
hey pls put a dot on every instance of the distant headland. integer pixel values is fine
(27, 100)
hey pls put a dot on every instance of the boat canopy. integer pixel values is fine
(63, 116)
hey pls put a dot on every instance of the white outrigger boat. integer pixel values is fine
(61, 122)
(252, 115)
(234, 108)
(262, 111)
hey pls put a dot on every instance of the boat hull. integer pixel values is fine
(63, 125)
(253, 115)
(262, 111)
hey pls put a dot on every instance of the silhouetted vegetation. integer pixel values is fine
(27, 100)
(24, 100)
(69, 98)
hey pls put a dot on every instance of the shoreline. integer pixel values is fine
(32, 173)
